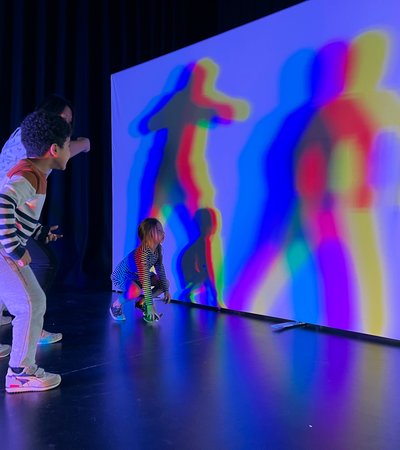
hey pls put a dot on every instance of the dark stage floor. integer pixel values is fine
(200, 379)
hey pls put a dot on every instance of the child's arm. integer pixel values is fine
(159, 266)
(142, 259)
(13, 194)
(81, 144)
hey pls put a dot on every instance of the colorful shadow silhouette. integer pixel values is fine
(180, 182)
(281, 236)
(320, 201)
(195, 263)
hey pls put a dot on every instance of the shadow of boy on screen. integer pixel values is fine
(180, 181)
(281, 237)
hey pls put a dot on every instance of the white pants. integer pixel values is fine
(24, 299)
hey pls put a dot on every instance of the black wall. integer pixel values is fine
(71, 47)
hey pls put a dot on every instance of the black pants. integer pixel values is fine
(44, 263)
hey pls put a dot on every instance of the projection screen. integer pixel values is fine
(271, 155)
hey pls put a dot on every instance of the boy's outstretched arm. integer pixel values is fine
(79, 145)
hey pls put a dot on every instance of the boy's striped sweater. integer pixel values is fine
(22, 196)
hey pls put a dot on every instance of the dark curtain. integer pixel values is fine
(71, 47)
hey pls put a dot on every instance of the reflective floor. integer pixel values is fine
(200, 379)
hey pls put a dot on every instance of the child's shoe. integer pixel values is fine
(49, 338)
(5, 350)
(31, 379)
(116, 313)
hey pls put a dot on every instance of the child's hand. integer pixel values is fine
(151, 314)
(167, 297)
(52, 237)
(84, 143)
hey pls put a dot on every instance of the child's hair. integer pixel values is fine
(147, 230)
(41, 129)
(56, 104)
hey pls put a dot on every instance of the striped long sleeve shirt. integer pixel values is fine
(136, 267)
(22, 196)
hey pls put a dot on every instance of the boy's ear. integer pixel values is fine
(53, 150)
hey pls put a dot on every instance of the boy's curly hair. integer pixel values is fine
(41, 129)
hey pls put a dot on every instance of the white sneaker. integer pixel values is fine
(5, 350)
(49, 338)
(5, 320)
(32, 379)
(116, 313)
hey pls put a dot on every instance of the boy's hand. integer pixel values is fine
(25, 260)
(51, 237)
(80, 145)
(167, 297)
(84, 143)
